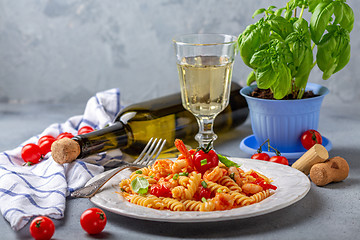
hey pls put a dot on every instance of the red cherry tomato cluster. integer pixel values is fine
(310, 137)
(33, 153)
(93, 220)
(42, 228)
(265, 157)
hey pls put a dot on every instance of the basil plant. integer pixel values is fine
(280, 47)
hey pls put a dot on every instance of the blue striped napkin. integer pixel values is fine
(41, 189)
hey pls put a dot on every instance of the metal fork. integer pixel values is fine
(146, 158)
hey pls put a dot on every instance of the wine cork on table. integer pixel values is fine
(65, 150)
(316, 154)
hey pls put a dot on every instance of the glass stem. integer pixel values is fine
(206, 133)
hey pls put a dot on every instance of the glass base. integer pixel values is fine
(205, 139)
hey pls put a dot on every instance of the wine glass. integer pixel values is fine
(205, 63)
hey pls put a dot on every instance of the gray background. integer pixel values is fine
(55, 54)
(67, 50)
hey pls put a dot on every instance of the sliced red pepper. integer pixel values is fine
(264, 185)
(255, 175)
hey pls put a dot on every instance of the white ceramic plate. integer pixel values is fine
(292, 185)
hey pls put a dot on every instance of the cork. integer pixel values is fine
(335, 169)
(65, 150)
(316, 154)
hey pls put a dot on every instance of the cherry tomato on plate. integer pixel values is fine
(310, 137)
(261, 156)
(202, 193)
(160, 190)
(204, 160)
(65, 134)
(31, 153)
(93, 220)
(45, 143)
(85, 129)
(279, 159)
(42, 228)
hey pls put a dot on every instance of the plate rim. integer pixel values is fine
(192, 216)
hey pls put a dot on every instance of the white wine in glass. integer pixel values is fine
(205, 63)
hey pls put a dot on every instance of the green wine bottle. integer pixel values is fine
(164, 118)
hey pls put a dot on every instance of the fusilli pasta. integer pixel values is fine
(178, 186)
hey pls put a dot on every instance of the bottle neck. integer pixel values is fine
(111, 137)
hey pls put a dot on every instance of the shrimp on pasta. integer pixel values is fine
(176, 185)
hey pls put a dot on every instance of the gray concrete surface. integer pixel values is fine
(329, 212)
(55, 54)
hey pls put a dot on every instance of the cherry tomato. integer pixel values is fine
(31, 153)
(45, 143)
(44, 138)
(42, 228)
(310, 138)
(85, 129)
(279, 159)
(261, 156)
(202, 193)
(203, 161)
(65, 134)
(93, 220)
(160, 190)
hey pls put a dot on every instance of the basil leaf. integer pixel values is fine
(347, 20)
(280, 25)
(248, 47)
(298, 52)
(344, 58)
(288, 13)
(313, 4)
(338, 12)
(227, 162)
(259, 11)
(331, 49)
(282, 85)
(279, 11)
(320, 19)
(305, 66)
(251, 78)
(140, 185)
(301, 26)
(265, 77)
(260, 59)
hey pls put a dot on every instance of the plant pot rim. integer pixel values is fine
(322, 91)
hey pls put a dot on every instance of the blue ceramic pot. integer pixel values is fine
(283, 121)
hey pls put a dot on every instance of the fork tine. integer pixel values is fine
(151, 160)
(145, 158)
(156, 150)
(148, 152)
(144, 151)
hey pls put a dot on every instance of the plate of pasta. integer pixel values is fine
(173, 190)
